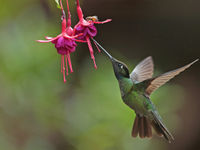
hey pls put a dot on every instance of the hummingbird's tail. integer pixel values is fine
(143, 126)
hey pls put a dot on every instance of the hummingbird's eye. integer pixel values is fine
(120, 66)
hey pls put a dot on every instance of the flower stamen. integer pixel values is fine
(66, 65)
(91, 51)
(97, 47)
(61, 64)
(69, 61)
(63, 67)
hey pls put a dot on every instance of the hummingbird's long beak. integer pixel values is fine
(103, 49)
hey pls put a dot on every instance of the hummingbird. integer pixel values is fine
(136, 88)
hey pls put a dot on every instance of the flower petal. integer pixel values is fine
(92, 31)
(43, 41)
(80, 41)
(78, 27)
(60, 42)
(72, 37)
(49, 39)
(102, 22)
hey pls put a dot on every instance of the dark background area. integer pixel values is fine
(38, 111)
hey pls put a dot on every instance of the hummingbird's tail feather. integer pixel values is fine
(135, 129)
(141, 126)
(148, 128)
(160, 128)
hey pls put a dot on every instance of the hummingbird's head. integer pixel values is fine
(120, 69)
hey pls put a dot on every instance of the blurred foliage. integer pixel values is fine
(39, 112)
(58, 3)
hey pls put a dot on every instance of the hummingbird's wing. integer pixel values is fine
(143, 71)
(157, 82)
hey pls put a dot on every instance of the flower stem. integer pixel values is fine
(79, 11)
(69, 15)
(62, 7)
(63, 17)
(77, 3)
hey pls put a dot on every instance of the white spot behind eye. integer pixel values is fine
(120, 66)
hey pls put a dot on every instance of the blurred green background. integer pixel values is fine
(39, 112)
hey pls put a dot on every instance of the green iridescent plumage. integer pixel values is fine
(136, 88)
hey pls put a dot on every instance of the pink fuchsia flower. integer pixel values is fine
(64, 42)
(88, 30)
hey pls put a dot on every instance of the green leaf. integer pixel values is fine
(58, 4)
